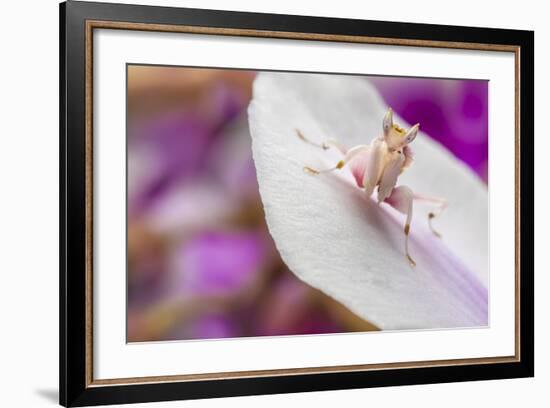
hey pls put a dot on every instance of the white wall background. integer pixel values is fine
(29, 204)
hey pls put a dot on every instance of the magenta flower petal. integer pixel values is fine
(218, 263)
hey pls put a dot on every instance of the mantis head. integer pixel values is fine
(396, 137)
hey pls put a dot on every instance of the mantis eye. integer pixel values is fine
(388, 121)
(411, 133)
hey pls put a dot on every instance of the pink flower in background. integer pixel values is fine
(170, 148)
(218, 263)
(453, 112)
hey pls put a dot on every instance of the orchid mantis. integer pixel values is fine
(378, 165)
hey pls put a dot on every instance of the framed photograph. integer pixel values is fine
(256, 204)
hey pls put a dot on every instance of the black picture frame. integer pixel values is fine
(75, 386)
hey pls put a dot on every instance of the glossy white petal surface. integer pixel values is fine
(335, 238)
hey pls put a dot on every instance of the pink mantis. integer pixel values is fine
(378, 165)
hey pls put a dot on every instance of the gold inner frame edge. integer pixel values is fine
(92, 24)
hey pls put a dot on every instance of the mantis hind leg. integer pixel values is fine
(440, 204)
(402, 198)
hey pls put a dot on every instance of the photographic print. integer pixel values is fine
(286, 203)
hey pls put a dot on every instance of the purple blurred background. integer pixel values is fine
(201, 263)
(453, 112)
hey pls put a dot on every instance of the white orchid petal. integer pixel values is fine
(334, 237)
